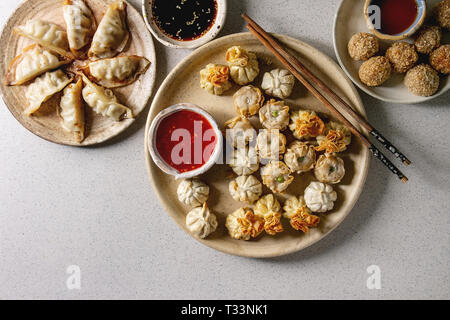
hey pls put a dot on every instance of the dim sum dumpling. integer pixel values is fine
(43, 88)
(193, 192)
(329, 169)
(245, 188)
(274, 115)
(244, 67)
(112, 33)
(116, 72)
(244, 161)
(201, 221)
(336, 138)
(46, 34)
(248, 100)
(320, 197)
(306, 124)
(271, 144)
(80, 25)
(276, 176)
(33, 62)
(239, 132)
(299, 215)
(72, 111)
(215, 78)
(104, 102)
(300, 157)
(269, 209)
(278, 83)
(243, 224)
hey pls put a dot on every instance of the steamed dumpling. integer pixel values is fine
(72, 112)
(33, 62)
(104, 102)
(274, 115)
(243, 224)
(43, 88)
(245, 189)
(306, 124)
(112, 33)
(336, 138)
(276, 176)
(269, 209)
(215, 79)
(193, 192)
(329, 169)
(201, 222)
(248, 100)
(320, 197)
(244, 67)
(300, 157)
(80, 25)
(271, 144)
(239, 132)
(244, 161)
(299, 215)
(47, 34)
(118, 71)
(278, 83)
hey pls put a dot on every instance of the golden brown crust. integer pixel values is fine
(440, 59)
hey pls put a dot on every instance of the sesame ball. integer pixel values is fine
(440, 59)
(363, 46)
(402, 56)
(375, 71)
(442, 14)
(428, 38)
(422, 80)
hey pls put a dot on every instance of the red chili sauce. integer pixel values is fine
(396, 15)
(185, 140)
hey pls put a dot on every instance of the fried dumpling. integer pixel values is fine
(274, 115)
(245, 189)
(33, 62)
(244, 67)
(278, 83)
(243, 224)
(201, 221)
(300, 157)
(215, 78)
(271, 144)
(239, 132)
(336, 138)
(244, 161)
(276, 176)
(112, 33)
(104, 102)
(269, 209)
(329, 169)
(306, 124)
(47, 34)
(43, 88)
(80, 25)
(248, 100)
(116, 72)
(72, 111)
(299, 215)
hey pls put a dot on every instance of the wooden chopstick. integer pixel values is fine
(377, 153)
(319, 83)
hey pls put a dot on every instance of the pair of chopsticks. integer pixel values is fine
(308, 79)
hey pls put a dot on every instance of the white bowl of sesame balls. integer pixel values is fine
(410, 70)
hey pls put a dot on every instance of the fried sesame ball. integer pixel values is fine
(402, 56)
(422, 80)
(363, 46)
(442, 14)
(375, 71)
(440, 59)
(428, 38)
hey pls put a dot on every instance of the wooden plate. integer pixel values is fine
(46, 123)
(350, 20)
(182, 85)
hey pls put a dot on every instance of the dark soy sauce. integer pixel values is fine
(396, 15)
(184, 20)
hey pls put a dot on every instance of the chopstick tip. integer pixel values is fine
(407, 162)
(404, 179)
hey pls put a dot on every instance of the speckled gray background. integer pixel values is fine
(95, 208)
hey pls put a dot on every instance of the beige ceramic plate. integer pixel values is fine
(350, 20)
(182, 85)
(46, 123)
